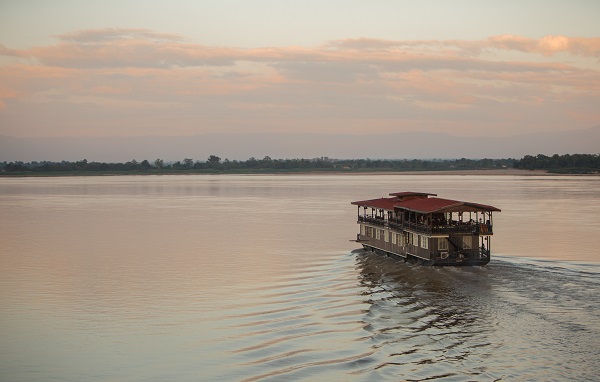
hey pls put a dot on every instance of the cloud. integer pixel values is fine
(131, 53)
(115, 34)
(326, 71)
(113, 48)
(4, 51)
(552, 44)
(548, 45)
(342, 85)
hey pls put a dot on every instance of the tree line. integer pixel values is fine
(567, 163)
(577, 163)
(214, 164)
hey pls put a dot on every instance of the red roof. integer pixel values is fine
(428, 205)
(422, 204)
(381, 203)
(482, 206)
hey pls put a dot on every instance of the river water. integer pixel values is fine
(253, 278)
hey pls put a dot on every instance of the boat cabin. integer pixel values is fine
(422, 227)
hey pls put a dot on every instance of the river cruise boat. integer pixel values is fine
(420, 227)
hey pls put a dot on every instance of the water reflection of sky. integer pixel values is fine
(200, 270)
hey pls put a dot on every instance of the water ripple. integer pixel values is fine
(421, 323)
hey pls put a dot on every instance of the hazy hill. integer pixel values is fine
(418, 145)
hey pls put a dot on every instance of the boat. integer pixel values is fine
(422, 228)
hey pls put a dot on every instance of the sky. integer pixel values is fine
(175, 68)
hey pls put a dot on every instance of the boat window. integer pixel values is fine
(386, 236)
(394, 238)
(442, 244)
(424, 242)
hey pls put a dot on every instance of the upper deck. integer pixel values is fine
(425, 213)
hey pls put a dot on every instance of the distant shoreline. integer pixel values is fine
(479, 172)
(584, 164)
(509, 171)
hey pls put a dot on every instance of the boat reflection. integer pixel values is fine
(419, 315)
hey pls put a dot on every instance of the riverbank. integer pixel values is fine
(505, 171)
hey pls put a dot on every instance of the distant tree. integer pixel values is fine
(575, 163)
(213, 160)
(16, 166)
(251, 163)
(145, 165)
(159, 163)
(81, 165)
(188, 162)
(130, 166)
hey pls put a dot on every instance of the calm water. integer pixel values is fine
(248, 278)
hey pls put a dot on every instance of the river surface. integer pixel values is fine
(253, 278)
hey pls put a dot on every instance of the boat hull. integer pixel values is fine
(450, 261)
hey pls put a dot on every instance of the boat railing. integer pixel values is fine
(372, 220)
(465, 228)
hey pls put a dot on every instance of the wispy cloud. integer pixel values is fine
(549, 45)
(115, 34)
(144, 48)
(354, 85)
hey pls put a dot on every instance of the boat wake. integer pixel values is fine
(372, 317)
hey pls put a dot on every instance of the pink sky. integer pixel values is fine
(137, 81)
